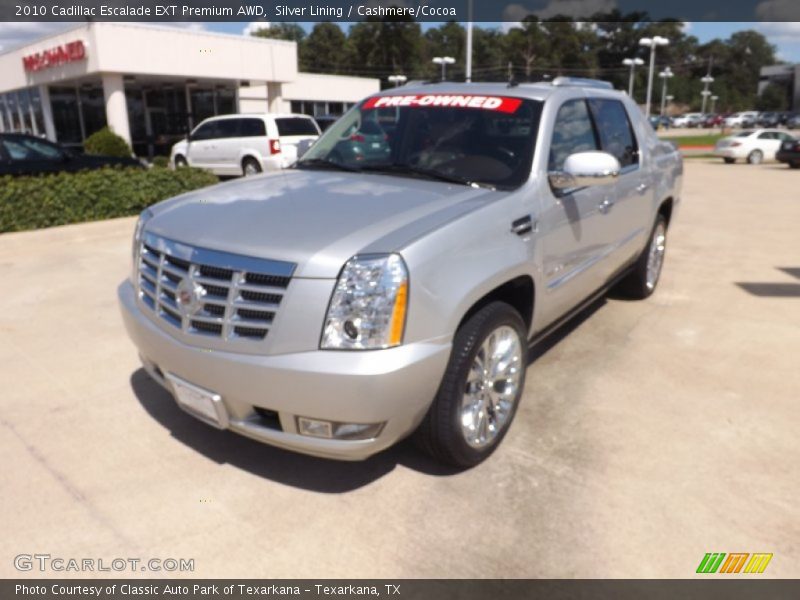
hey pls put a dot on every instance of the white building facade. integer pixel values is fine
(151, 85)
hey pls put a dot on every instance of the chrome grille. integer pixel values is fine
(227, 296)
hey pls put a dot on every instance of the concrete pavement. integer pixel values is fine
(650, 432)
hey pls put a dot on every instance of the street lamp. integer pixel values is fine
(665, 75)
(652, 43)
(707, 80)
(714, 104)
(397, 79)
(632, 63)
(444, 61)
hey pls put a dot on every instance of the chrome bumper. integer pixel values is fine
(393, 386)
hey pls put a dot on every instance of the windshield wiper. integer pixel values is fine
(325, 163)
(430, 173)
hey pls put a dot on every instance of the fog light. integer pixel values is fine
(314, 428)
(339, 431)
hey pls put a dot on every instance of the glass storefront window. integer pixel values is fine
(93, 108)
(38, 115)
(226, 101)
(64, 104)
(202, 104)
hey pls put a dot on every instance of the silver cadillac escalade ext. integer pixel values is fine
(392, 281)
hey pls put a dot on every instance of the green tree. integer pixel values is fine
(282, 31)
(325, 50)
(447, 40)
(773, 97)
(380, 48)
(527, 46)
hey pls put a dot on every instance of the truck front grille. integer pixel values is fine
(210, 293)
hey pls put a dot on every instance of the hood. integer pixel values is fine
(316, 219)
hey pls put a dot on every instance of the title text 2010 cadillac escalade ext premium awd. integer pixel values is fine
(391, 281)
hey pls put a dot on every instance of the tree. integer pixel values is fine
(526, 45)
(447, 40)
(325, 50)
(383, 47)
(282, 31)
(773, 97)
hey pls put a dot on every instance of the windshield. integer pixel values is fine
(470, 139)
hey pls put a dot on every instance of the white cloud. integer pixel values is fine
(568, 8)
(783, 31)
(254, 26)
(778, 10)
(687, 26)
(17, 33)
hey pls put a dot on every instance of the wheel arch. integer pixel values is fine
(518, 292)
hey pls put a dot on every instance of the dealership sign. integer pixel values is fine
(497, 103)
(55, 57)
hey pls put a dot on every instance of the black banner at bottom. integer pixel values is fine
(433, 589)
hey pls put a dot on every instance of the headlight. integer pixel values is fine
(368, 307)
(146, 215)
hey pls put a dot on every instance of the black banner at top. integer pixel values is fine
(492, 11)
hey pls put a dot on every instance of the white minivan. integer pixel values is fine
(246, 144)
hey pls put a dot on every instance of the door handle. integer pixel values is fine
(522, 225)
(642, 187)
(605, 205)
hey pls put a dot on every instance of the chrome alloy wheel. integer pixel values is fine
(655, 258)
(492, 387)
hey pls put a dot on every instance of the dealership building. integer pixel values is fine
(153, 84)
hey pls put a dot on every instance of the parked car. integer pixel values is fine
(752, 146)
(793, 122)
(660, 122)
(713, 120)
(742, 120)
(22, 154)
(768, 120)
(246, 144)
(341, 305)
(789, 153)
(687, 120)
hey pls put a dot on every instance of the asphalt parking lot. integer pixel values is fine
(650, 433)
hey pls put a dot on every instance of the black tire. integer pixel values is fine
(729, 161)
(794, 165)
(440, 433)
(756, 157)
(635, 285)
(250, 166)
(180, 162)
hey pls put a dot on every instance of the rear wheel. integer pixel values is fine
(794, 165)
(480, 390)
(643, 280)
(756, 157)
(250, 167)
(729, 161)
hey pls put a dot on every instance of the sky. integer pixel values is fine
(784, 35)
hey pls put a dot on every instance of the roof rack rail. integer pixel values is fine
(582, 82)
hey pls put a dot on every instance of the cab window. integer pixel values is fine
(228, 128)
(615, 130)
(572, 132)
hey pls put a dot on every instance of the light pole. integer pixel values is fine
(468, 62)
(714, 104)
(632, 63)
(652, 43)
(707, 80)
(665, 75)
(444, 61)
(397, 79)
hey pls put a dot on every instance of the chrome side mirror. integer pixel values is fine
(584, 169)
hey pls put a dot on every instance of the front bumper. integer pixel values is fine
(393, 386)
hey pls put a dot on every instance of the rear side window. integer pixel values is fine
(615, 130)
(252, 128)
(572, 132)
(296, 126)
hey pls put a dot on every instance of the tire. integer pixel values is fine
(756, 157)
(180, 162)
(445, 433)
(794, 165)
(729, 161)
(642, 281)
(250, 167)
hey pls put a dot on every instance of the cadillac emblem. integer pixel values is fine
(189, 297)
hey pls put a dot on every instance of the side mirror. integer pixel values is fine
(584, 169)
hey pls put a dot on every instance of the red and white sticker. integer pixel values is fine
(496, 103)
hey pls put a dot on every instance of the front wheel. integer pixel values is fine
(794, 165)
(643, 280)
(480, 390)
(180, 162)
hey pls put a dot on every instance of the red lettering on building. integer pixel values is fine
(54, 57)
